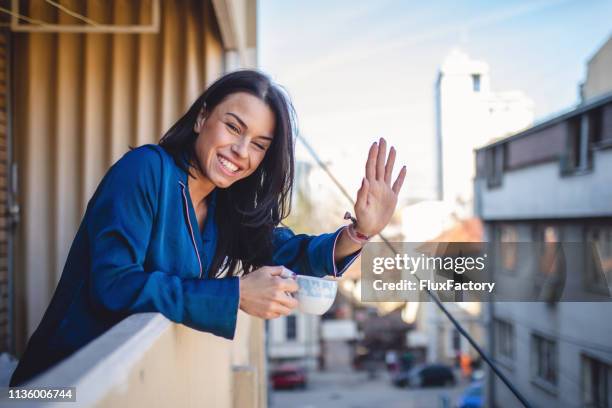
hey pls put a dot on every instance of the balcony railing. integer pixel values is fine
(147, 360)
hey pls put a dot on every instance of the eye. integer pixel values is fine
(260, 146)
(233, 128)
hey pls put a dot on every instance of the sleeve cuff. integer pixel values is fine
(230, 329)
(212, 306)
(341, 266)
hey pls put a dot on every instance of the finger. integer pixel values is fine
(289, 285)
(287, 273)
(380, 160)
(362, 194)
(286, 300)
(281, 310)
(371, 162)
(389, 166)
(272, 315)
(399, 181)
(277, 271)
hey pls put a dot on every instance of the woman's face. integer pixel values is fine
(233, 138)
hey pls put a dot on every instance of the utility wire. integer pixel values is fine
(437, 301)
(43, 23)
(73, 13)
(22, 17)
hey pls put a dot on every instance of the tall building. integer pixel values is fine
(468, 115)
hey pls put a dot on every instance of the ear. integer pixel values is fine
(199, 121)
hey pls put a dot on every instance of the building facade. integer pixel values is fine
(294, 338)
(551, 183)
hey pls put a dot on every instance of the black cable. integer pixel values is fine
(437, 301)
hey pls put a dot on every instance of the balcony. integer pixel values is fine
(147, 360)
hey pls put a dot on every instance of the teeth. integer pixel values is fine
(228, 165)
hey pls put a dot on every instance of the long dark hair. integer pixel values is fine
(248, 210)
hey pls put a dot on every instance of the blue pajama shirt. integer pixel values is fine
(139, 249)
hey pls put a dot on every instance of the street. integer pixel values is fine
(355, 390)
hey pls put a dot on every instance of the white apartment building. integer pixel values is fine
(468, 115)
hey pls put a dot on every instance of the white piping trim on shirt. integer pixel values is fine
(190, 228)
(358, 253)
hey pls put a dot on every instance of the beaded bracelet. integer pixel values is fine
(352, 233)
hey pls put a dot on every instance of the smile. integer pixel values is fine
(228, 166)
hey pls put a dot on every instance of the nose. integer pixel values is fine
(240, 148)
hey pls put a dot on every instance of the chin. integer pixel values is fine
(222, 182)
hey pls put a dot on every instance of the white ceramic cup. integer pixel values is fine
(315, 295)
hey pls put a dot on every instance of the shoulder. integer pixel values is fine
(145, 158)
(140, 170)
(150, 161)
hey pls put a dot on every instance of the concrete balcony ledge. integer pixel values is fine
(147, 360)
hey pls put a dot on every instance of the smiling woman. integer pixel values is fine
(238, 136)
(189, 228)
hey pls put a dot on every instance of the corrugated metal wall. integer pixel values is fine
(80, 101)
(6, 221)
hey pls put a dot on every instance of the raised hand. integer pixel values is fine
(377, 198)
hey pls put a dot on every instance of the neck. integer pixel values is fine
(200, 187)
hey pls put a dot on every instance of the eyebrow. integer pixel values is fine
(244, 124)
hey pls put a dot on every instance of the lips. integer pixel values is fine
(228, 166)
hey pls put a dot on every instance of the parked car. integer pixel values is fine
(288, 376)
(424, 376)
(472, 397)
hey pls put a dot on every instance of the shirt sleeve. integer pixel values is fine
(310, 254)
(120, 221)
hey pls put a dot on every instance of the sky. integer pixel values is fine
(358, 70)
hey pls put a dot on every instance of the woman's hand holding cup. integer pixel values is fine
(266, 291)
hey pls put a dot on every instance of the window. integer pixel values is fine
(504, 339)
(508, 247)
(596, 125)
(291, 327)
(581, 134)
(476, 82)
(494, 165)
(544, 360)
(598, 271)
(551, 266)
(596, 383)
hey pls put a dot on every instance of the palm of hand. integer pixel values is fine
(377, 198)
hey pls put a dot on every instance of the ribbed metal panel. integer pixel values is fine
(81, 101)
(5, 219)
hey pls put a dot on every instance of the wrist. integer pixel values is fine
(354, 232)
(362, 232)
(355, 236)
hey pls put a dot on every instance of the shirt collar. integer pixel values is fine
(210, 228)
